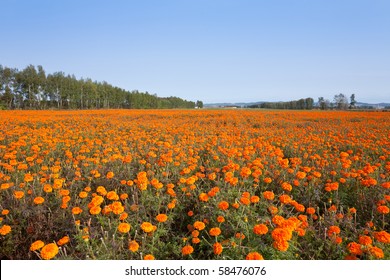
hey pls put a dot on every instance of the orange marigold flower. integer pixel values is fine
(301, 231)
(215, 231)
(376, 252)
(123, 216)
(299, 207)
(187, 250)
(5, 229)
(285, 199)
(76, 210)
(124, 227)
(280, 245)
(123, 196)
(351, 257)
(382, 236)
(133, 246)
(355, 248)
(365, 240)
(244, 200)
(49, 251)
(171, 205)
(39, 200)
(161, 218)
(279, 234)
(195, 240)
(37, 245)
(18, 194)
(278, 220)
(117, 207)
(101, 190)
(199, 225)
(149, 257)
(235, 205)
(217, 248)
(273, 210)
(5, 186)
(267, 180)
(95, 210)
(255, 199)
(110, 175)
(112, 195)
(254, 256)
(83, 194)
(300, 175)
(63, 240)
(310, 210)
(333, 230)
(269, 195)
(223, 205)
(286, 186)
(28, 177)
(245, 172)
(203, 197)
(147, 227)
(383, 209)
(260, 229)
(97, 200)
(220, 219)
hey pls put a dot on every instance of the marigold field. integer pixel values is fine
(194, 184)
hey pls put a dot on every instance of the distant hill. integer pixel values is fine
(375, 105)
(238, 104)
(246, 104)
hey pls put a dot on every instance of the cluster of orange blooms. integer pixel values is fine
(200, 184)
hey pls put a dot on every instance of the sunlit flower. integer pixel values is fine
(39, 200)
(161, 218)
(49, 251)
(133, 246)
(147, 227)
(124, 227)
(215, 231)
(37, 245)
(199, 225)
(149, 257)
(64, 240)
(260, 229)
(187, 250)
(5, 229)
(217, 248)
(254, 256)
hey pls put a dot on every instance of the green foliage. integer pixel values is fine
(31, 88)
(301, 104)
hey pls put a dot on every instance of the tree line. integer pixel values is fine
(340, 102)
(32, 88)
(301, 104)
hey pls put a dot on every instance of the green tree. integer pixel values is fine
(341, 101)
(352, 102)
(199, 104)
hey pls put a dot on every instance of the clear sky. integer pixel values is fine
(211, 50)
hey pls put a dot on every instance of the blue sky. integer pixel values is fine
(209, 50)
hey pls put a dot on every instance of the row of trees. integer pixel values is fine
(340, 102)
(32, 88)
(301, 104)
